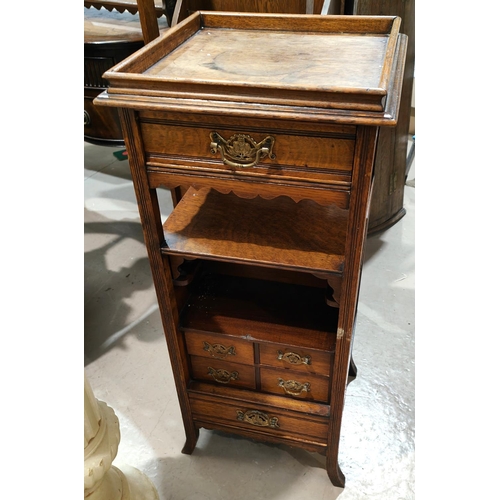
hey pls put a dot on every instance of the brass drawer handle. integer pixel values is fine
(258, 418)
(293, 358)
(222, 376)
(218, 350)
(293, 387)
(240, 150)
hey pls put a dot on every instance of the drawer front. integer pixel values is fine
(219, 347)
(297, 359)
(223, 373)
(295, 384)
(264, 420)
(287, 150)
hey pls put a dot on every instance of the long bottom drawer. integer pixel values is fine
(256, 420)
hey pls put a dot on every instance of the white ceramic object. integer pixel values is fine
(102, 480)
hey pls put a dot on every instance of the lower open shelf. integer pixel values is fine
(260, 310)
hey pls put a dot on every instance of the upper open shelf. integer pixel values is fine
(278, 233)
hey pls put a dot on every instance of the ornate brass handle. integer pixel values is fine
(218, 350)
(222, 376)
(258, 418)
(240, 150)
(293, 387)
(293, 358)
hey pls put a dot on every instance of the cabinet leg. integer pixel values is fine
(191, 440)
(353, 370)
(334, 473)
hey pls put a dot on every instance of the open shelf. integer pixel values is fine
(282, 233)
(264, 311)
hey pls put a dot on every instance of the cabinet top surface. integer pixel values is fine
(292, 60)
(326, 62)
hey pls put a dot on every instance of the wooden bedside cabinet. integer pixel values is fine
(269, 124)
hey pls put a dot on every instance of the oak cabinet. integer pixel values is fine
(267, 126)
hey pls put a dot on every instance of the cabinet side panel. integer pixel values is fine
(356, 235)
(153, 237)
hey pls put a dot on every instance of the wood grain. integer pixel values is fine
(292, 425)
(202, 367)
(242, 351)
(318, 390)
(269, 401)
(185, 8)
(349, 72)
(295, 154)
(271, 232)
(287, 60)
(258, 311)
(387, 206)
(320, 362)
(229, 220)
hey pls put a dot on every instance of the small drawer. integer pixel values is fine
(222, 372)
(251, 417)
(297, 359)
(295, 384)
(220, 347)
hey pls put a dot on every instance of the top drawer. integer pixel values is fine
(219, 347)
(254, 147)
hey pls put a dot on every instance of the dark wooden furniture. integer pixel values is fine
(185, 8)
(113, 30)
(387, 204)
(270, 123)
